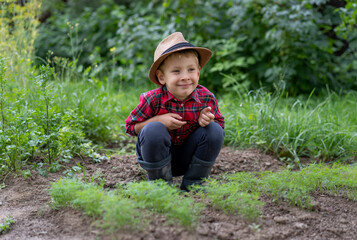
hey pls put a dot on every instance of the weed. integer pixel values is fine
(55, 167)
(5, 226)
(255, 227)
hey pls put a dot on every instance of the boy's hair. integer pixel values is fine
(183, 52)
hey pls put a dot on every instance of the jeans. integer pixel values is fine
(154, 148)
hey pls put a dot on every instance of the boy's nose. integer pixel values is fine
(185, 75)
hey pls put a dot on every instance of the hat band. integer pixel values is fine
(176, 46)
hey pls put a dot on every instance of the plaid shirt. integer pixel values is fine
(160, 101)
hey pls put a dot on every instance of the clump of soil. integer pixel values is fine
(28, 202)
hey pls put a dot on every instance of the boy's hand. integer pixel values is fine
(205, 117)
(172, 121)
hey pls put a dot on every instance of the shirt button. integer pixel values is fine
(181, 104)
(178, 137)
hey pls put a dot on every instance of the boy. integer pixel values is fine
(179, 126)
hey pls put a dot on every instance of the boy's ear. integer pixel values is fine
(160, 77)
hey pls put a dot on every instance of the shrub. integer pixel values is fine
(255, 43)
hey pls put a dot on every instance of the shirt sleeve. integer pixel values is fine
(141, 113)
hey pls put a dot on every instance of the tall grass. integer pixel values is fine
(323, 128)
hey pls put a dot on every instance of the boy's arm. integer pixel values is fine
(144, 113)
(170, 120)
(140, 113)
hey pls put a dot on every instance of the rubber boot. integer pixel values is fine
(158, 170)
(197, 171)
(164, 173)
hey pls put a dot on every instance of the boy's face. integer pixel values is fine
(180, 73)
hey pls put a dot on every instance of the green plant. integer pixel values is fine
(44, 91)
(18, 31)
(159, 197)
(234, 197)
(255, 43)
(120, 213)
(239, 192)
(323, 128)
(3, 85)
(6, 225)
(112, 210)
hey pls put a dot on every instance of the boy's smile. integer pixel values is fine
(180, 73)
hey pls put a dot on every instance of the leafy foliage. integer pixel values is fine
(32, 124)
(255, 43)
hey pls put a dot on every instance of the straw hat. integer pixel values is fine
(174, 43)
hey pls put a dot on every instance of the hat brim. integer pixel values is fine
(204, 55)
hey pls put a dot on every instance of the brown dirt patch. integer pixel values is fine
(28, 202)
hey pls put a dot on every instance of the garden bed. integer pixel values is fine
(29, 203)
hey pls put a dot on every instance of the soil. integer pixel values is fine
(28, 202)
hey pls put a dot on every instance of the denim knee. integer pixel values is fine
(153, 143)
(211, 141)
(215, 134)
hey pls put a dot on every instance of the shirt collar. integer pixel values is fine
(167, 96)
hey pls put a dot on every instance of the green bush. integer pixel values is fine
(255, 43)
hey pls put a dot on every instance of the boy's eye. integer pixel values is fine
(191, 69)
(175, 71)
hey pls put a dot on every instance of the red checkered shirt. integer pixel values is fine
(160, 101)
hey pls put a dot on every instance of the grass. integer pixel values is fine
(319, 127)
(322, 128)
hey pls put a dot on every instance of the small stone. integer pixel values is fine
(343, 221)
(300, 225)
(203, 230)
(281, 219)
